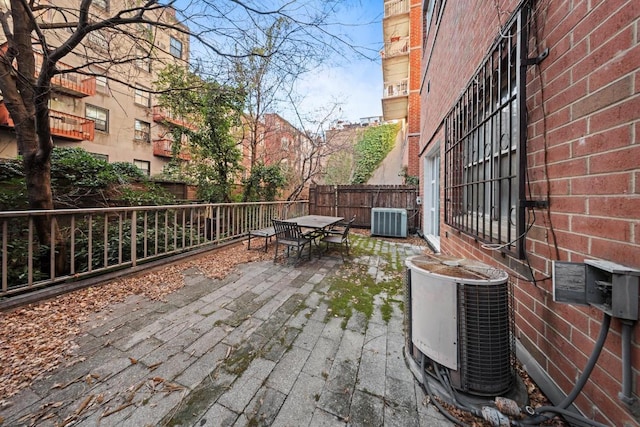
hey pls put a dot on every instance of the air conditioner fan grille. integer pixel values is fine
(486, 343)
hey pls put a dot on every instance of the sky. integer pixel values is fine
(357, 83)
(352, 80)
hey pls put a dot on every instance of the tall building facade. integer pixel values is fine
(104, 102)
(530, 159)
(401, 55)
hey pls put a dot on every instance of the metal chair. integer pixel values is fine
(339, 237)
(290, 234)
(338, 229)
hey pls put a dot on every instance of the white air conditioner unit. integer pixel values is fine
(390, 222)
(460, 317)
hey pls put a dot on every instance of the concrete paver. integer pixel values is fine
(260, 347)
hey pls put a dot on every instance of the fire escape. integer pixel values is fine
(163, 147)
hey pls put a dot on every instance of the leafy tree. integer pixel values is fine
(124, 30)
(264, 183)
(215, 109)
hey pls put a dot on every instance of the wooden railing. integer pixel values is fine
(163, 115)
(69, 82)
(163, 148)
(62, 125)
(98, 241)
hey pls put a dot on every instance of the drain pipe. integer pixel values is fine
(626, 395)
(582, 380)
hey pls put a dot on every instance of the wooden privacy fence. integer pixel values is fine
(349, 200)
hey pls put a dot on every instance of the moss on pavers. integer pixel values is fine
(375, 270)
(280, 343)
(242, 308)
(263, 408)
(199, 400)
(240, 358)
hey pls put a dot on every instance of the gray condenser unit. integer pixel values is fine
(389, 222)
(460, 318)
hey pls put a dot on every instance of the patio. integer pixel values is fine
(268, 344)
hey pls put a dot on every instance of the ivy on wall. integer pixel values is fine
(371, 149)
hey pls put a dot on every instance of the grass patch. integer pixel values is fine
(355, 288)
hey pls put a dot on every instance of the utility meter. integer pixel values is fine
(611, 287)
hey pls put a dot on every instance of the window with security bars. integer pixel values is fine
(484, 139)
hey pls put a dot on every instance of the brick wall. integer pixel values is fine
(583, 153)
(413, 119)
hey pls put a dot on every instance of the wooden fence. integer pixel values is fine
(349, 200)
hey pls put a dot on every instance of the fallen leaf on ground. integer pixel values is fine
(38, 338)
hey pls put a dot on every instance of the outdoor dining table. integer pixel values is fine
(316, 224)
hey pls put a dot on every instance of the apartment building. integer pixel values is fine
(530, 162)
(286, 146)
(401, 55)
(105, 106)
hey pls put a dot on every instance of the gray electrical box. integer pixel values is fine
(611, 287)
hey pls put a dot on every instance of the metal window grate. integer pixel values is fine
(485, 136)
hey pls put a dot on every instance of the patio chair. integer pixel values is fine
(338, 229)
(290, 235)
(339, 237)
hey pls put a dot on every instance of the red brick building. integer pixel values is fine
(530, 154)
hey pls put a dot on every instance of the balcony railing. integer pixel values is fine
(395, 7)
(397, 88)
(98, 241)
(396, 46)
(163, 115)
(163, 148)
(62, 125)
(70, 83)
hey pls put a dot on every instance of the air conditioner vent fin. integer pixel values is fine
(389, 222)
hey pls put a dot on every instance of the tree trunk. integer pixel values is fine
(37, 168)
(28, 105)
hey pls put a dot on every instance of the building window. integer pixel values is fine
(142, 131)
(484, 180)
(427, 14)
(98, 40)
(175, 47)
(142, 61)
(102, 84)
(100, 116)
(102, 4)
(143, 165)
(142, 97)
